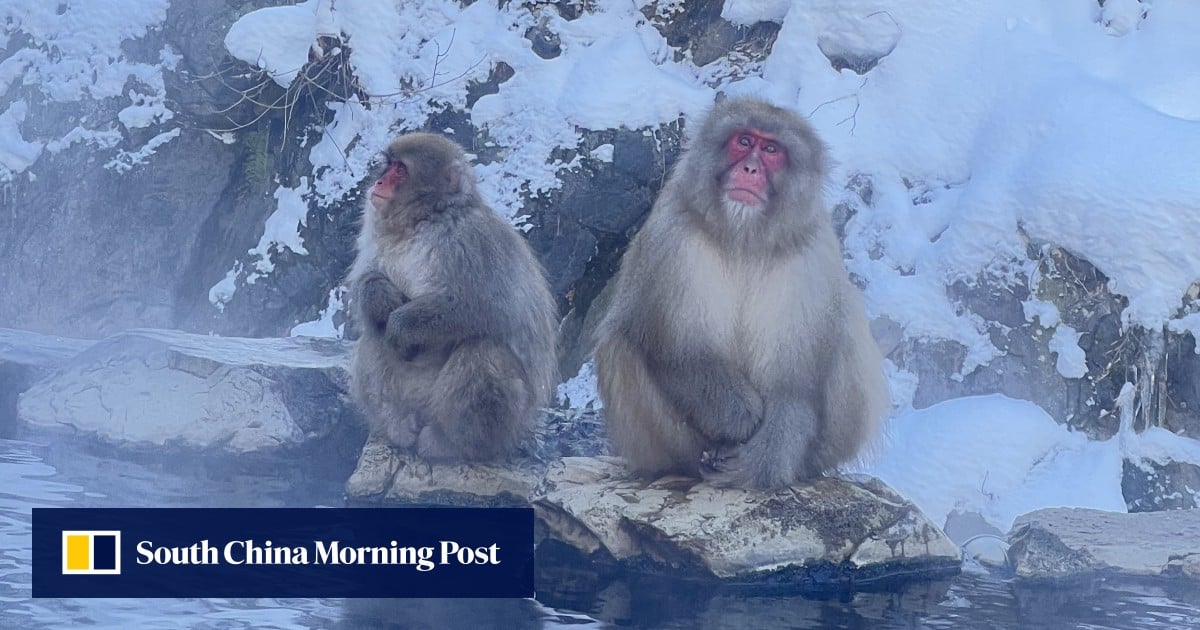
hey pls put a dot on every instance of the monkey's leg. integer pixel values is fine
(855, 401)
(376, 297)
(384, 394)
(482, 405)
(715, 397)
(645, 428)
(778, 454)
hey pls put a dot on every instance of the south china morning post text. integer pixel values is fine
(286, 552)
(236, 552)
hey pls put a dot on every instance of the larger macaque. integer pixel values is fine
(458, 324)
(736, 347)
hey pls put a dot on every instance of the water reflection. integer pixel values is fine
(45, 473)
(50, 472)
(654, 602)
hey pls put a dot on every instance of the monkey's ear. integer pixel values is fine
(454, 178)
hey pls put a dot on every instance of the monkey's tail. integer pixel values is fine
(485, 403)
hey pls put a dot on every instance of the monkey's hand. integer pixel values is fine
(719, 401)
(430, 321)
(734, 416)
(378, 297)
(402, 334)
(723, 467)
(743, 412)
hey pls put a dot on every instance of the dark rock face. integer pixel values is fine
(1179, 408)
(582, 229)
(697, 29)
(92, 248)
(1161, 364)
(1150, 486)
(1027, 369)
(90, 253)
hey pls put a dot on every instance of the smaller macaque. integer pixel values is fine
(457, 320)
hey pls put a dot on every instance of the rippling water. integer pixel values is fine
(41, 473)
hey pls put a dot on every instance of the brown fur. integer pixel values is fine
(734, 335)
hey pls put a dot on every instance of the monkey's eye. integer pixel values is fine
(770, 147)
(745, 141)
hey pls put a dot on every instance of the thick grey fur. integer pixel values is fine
(458, 323)
(734, 337)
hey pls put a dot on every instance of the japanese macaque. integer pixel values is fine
(735, 347)
(457, 320)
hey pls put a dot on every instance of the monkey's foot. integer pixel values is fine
(434, 448)
(400, 433)
(376, 467)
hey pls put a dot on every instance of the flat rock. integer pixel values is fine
(828, 530)
(387, 475)
(23, 347)
(161, 387)
(1060, 543)
(25, 357)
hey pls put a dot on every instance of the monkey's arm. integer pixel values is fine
(376, 297)
(431, 321)
(718, 399)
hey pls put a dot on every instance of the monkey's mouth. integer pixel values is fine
(744, 196)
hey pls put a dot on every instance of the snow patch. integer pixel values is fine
(74, 53)
(277, 40)
(16, 154)
(748, 13)
(604, 153)
(1071, 363)
(282, 229)
(126, 160)
(997, 456)
(581, 390)
(323, 326)
(1040, 311)
(221, 292)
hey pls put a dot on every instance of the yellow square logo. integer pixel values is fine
(91, 552)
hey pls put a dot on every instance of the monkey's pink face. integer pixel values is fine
(754, 158)
(393, 177)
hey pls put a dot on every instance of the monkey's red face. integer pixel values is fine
(754, 157)
(393, 177)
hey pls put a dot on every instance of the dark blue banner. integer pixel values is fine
(287, 552)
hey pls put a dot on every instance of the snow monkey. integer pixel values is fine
(457, 320)
(734, 338)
